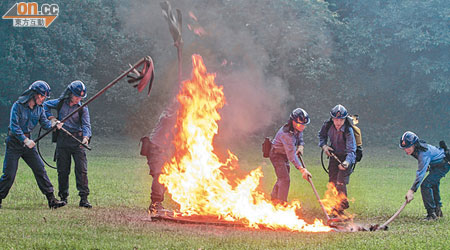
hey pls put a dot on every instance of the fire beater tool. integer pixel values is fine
(76, 139)
(329, 220)
(384, 225)
(175, 27)
(145, 76)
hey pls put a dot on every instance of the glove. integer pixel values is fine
(327, 149)
(409, 196)
(305, 173)
(59, 124)
(85, 140)
(53, 121)
(344, 165)
(29, 143)
(299, 150)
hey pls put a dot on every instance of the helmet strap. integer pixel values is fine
(71, 95)
(415, 154)
(32, 102)
(418, 146)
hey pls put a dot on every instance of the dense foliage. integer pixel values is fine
(387, 61)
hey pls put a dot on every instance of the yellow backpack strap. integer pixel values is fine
(357, 131)
(358, 136)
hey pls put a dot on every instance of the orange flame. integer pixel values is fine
(194, 176)
(191, 14)
(197, 29)
(195, 26)
(332, 201)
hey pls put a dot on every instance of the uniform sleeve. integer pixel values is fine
(86, 122)
(44, 121)
(49, 105)
(350, 146)
(323, 136)
(290, 149)
(14, 122)
(423, 162)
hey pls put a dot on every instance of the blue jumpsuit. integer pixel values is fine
(67, 147)
(344, 147)
(22, 121)
(432, 160)
(284, 146)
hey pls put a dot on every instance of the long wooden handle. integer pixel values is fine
(318, 199)
(336, 158)
(393, 216)
(76, 139)
(315, 190)
(125, 73)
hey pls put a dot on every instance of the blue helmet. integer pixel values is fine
(408, 139)
(41, 87)
(339, 112)
(77, 88)
(299, 116)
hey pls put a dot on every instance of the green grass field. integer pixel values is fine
(120, 190)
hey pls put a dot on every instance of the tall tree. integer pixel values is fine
(396, 56)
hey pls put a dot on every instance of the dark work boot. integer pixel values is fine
(0, 203)
(157, 209)
(431, 216)
(85, 203)
(53, 203)
(438, 211)
(154, 207)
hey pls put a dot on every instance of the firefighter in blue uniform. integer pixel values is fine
(160, 151)
(78, 125)
(26, 112)
(343, 145)
(430, 158)
(286, 145)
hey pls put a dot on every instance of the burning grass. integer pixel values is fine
(195, 177)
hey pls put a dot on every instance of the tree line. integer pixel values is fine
(386, 60)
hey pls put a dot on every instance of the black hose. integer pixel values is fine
(353, 167)
(39, 151)
(321, 160)
(326, 170)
